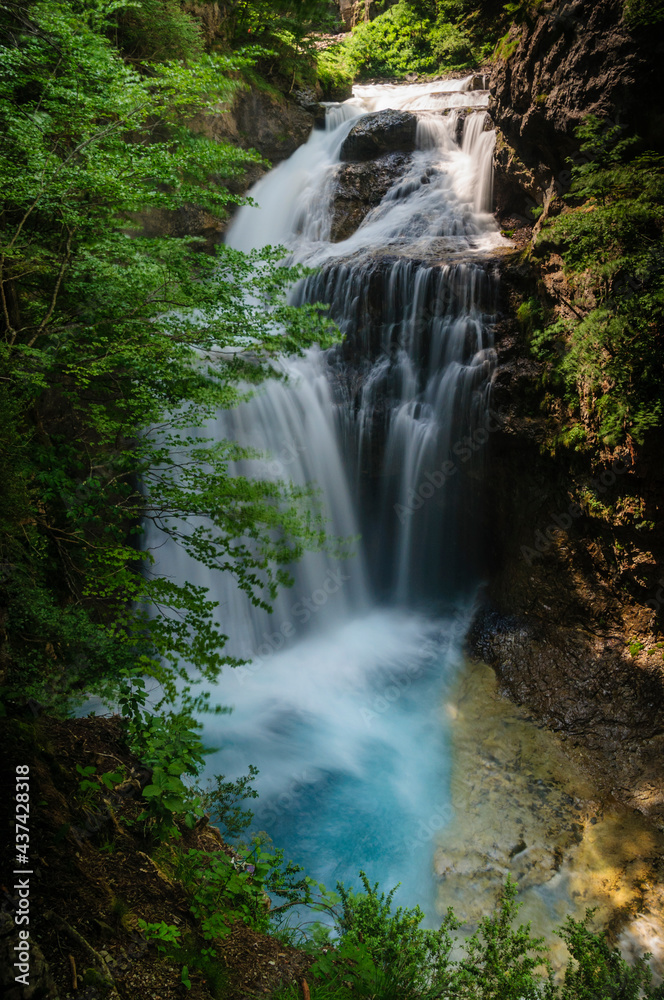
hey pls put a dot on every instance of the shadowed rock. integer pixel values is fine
(379, 133)
(360, 187)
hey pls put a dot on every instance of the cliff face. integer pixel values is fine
(577, 58)
(259, 120)
(572, 619)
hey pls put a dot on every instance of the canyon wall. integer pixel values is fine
(572, 613)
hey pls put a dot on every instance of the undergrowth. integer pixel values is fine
(604, 356)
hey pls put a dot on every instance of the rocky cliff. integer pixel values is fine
(572, 619)
(269, 125)
(576, 58)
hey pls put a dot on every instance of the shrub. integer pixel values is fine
(612, 241)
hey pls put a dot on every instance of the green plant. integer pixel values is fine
(384, 956)
(501, 962)
(407, 37)
(86, 784)
(225, 803)
(383, 953)
(162, 934)
(110, 368)
(612, 241)
(529, 314)
(641, 13)
(334, 70)
(279, 33)
(507, 45)
(451, 46)
(171, 746)
(394, 44)
(598, 970)
(522, 11)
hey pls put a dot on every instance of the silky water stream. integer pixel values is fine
(369, 730)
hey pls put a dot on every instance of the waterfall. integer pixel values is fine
(341, 705)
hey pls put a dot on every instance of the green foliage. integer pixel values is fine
(394, 44)
(172, 748)
(502, 963)
(612, 240)
(282, 29)
(162, 934)
(335, 73)
(642, 13)
(528, 314)
(522, 11)
(86, 784)
(451, 46)
(406, 38)
(224, 802)
(383, 953)
(111, 363)
(386, 956)
(507, 46)
(179, 36)
(599, 971)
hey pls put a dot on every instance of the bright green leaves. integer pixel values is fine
(408, 37)
(116, 349)
(612, 240)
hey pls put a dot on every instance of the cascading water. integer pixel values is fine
(340, 706)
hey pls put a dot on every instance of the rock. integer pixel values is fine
(255, 120)
(258, 120)
(360, 187)
(478, 82)
(576, 58)
(308, 101)
(379, 133)
(516, 188)
(355, 11)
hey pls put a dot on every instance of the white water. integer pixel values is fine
(339, 708)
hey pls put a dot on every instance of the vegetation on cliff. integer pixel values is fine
(605, 354)
(417, 36)
(124, 906)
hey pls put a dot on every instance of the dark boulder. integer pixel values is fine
(379, 133)
(360, 187)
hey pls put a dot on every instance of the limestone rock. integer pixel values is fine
(577, 58)
(360, 187)
(257, 120)
(355, 11)
(379, 133)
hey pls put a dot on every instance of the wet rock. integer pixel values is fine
(478, 82)
(380, 133)
(308, 101)
(360, 187)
